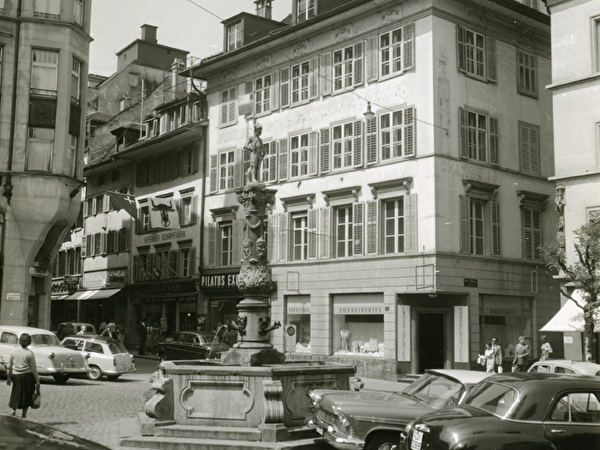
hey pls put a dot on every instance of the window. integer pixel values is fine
(347, 67)
(262, 94)
(98, 243)
(358, 324)
(480, 224)
(396, 51)
(186, 262)
(145, 222)
(529, 146)
(187, 209)
(476, 54)
(269, 163)
(228, 106)
(2, 6)
(580, 407)
(48, 9)
(299, 155)
(532, 4)
(44, 72)
(78, 12)
(532, 233)
(71, 156)
(476, 238)
(527, 77)
(305, 9)
(393, 218)
(226, 243)
(234, 36)
(300, 236)
(343, 139)
(226, 170)
(300, 82)
(479, 136)
(298, 315)
(40, 149)
(343, 231)
(396, 131)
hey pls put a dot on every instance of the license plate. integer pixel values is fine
(417, 440)
(320, 431)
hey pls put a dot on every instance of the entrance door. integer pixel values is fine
(431, 341)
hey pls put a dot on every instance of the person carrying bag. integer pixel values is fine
(36, 401)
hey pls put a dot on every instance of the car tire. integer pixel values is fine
(60, 378)
(382, 441)
(95, 373)
(113, 377)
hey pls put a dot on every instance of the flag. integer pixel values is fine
(124, 201)
(163, 213)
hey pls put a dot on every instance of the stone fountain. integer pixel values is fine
(252, 397)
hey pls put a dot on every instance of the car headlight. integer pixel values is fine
(338, 412)
(51, 355)
(87, 356)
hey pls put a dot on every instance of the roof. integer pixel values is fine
(464, 376)
(522, 379)
(105, 339)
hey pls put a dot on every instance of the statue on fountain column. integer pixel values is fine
(257, 153)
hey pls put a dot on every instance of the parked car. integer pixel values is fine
(191, 345)
(566, 366)
(50, 356)
(106, 356)
(90, 330)
(525, 410)
(24, 434)
(374, 420)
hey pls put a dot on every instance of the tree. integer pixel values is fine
(584, 274)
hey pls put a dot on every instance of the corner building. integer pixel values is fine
(404, 238)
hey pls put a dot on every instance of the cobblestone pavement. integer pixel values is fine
(89, 409)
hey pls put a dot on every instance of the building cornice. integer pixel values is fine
(574, 81)
(575, 176)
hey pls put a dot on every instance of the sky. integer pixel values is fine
(181, 24)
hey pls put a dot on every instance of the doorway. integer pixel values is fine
(431, 341)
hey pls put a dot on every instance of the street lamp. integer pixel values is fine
(369, 115)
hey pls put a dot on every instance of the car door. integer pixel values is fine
(574, 420)
(174, 348)
(8, 342)
(187, 350)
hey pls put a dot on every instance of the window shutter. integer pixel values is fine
(94, 205)
(325, 74)
(195, 160)
(192, 261)
(194, 210)
(537, 233)
(103, 239)
(372, 54)
(358, 148)
(312, 233)
(110, 243)
(494, 150)
(83, 246)
(213, 172)
(238, 169)
(490, 58)
(463, 132)
(105, 203)
(238, 237)
(284, 88)
(212, 244)
(232, 110)
(283, 159)
(496, 243)
(409, 131)
(272, 236)
(372, 227)
(525, 149)
(534, 150)
(124, 239)
(358, 227)
(173, 264)
(91, 248)
(246, 164)
(460, 39)
(136, 267)
(465, 246)
(527, 234)
(275, 90)
(324, 153)
(283, 236)
(359, 58)
(409, 46)
(85, 208)
(138, 222)
(313, 153)
(175, 166)
(410, 223)
(273, 161)
(313, 77)
(371, 138)
(325, 233)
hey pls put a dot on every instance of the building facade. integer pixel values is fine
(44, 48)
(410, 147)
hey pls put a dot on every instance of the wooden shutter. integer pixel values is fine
(325, 74)
(136, 268)
(238, 168)
(490, 58)
(410, 223)
(85, 208)
(103, 239)
(313, 153)
(124, 239)
(313, 78)
(83, 246)
(192, 262)
(496, 243)
(494, 150)
(283, 236)
(212, 244)
(460, 40)
(272, 233)
(358, 148)
(359, 64)
(371, 140)
(324, 151)
(105, 203)
(238, 236)
(174, 264)
(409, 131)
(284, 88)
(245, 155)
(283, 159)
(463, 133)
(325, 233)
(465, 244)
(272, 155)
(232, 109)
(372, 57)
(312, 233)
(275, 90)
(358, 228)
(527, 233)
(372, 227)
(408, 54)
(214, 181)
(534, 148)
(194, 210)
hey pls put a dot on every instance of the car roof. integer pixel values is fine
(520, 379)
(582, 365)
(20, 329)
(464, 376)
(83, 337)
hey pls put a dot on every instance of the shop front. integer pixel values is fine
(220, 296)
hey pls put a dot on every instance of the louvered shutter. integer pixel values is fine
(175, 166)
(325, 233)
(173, 264)
(283, 236)
(358, 228)
(410, 223)
(212, 244)
(525, 148)
(325, 74)
(272, 234)
(359, 59)
(103, 244)
(238, 168)
(195, 159)
(312, 233)
(90, 244)
(275, 90)
(232, 109)
(534, 150)
(537, 233)
(238, 237)
(273, 161)
(463, 132)
(245, 154)
(192, 262)
(371, 140)
(105, 203)
(465, 244)
(408, 55)
(490, 55)
(214, 159)
(527, 234)
(283, 159)
(460, 39)
(372, 57)
(83, 246)
(85, 208)
(313, 77)
(494, 150)
(284, 88)
(324, 153)
(313, 153)
(496, 243)
(409, 131)
(372, 227)
(194, 211)
(358, 147)
(136, 268)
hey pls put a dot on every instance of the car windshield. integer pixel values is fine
(38, 340)
(495, 398)
(117, 347)
(436, 390)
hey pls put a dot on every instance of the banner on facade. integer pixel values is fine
(404, 333)
(124, 201)
(163, 213)
(461, 334)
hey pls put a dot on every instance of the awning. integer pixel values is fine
(570, 316)
(59, 297)
(95, 294)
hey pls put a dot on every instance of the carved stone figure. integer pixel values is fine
(255, 146)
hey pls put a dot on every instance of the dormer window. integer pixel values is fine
(234, 36)
(305, 10)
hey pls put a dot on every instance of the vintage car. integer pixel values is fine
(50, 356)
(191, 345)
(105, 355)
(566, 366)
(90, 330)
(374, 420)
(525, 410)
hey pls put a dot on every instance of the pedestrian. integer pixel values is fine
(546, 349)
(231, 334)
(102, 326)
(82, 330)
(497, 350)
(110, 330)
(521, 354)
(122, 331)
(22, 374)
(156, 335)
(489, 358)
(142, 333)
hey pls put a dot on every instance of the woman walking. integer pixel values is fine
(22, 374)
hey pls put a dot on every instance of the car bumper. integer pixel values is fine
(118, 372)
(335, 438)
(55, 370)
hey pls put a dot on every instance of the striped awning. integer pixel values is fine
(93, 294)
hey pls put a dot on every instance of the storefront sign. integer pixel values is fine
(358, 309)
(470, 282)
(461, 334)
(164, 237)
(13, 296)
(404, 333)
(298, 304)
(104, 278)
(224, 281)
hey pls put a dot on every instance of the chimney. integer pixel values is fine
(149, 33)
(264, 8)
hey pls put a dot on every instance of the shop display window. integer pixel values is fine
(298, 314)
(358, 325)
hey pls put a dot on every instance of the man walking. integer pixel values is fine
(497, 352)
(521, 354)
(142, 333)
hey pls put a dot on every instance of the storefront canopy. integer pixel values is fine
(59, 296)
(95, 294)
(570, 316)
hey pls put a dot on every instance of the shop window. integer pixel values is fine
(298, 315)
(358, 325)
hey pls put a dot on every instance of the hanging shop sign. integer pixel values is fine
(218, 281)
(461, 334)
